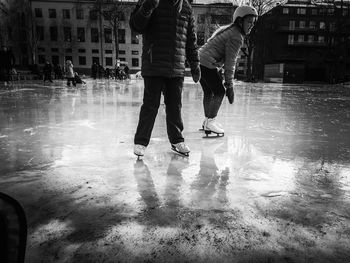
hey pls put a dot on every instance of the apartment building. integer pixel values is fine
(304, 41)
(57, 30)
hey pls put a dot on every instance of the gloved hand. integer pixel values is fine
(196, 74)
(229, 93)
(150, 5)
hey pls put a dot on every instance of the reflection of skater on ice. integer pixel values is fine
(229, 38)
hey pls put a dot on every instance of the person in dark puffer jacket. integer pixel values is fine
(169, 38)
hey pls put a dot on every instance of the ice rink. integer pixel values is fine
(275, 188)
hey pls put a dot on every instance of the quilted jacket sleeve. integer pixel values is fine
(139, 19)
(191, 44)
(232, 48)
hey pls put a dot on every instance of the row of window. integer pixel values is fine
(83, 50)
(79, 14)
(312, 25)
(81, 35)
(305, 38)
(314, 11)
(82, 60)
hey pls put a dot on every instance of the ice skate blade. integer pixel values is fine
(180, 153)
(214, 134)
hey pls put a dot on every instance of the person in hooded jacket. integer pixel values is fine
(221, 51)
(70, 73)
(169, 38)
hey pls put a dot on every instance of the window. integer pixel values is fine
(320, 39)
(300, 38)
(54, 49)
(108, 35)
(314, 11)
(38, 12)
(53, 33)
(40, 33)
(107, 15)
(41, 59)
(95, 60)
(332, 27)
(285, 10)
(201, 18)
(312, 24)
(134, 38)
(109, 51)
(322, 25)
(290, 39)
(65, 13)
(121, 52)
(134, 52)
(81, 50)
(121, 16)
(55, 60)
(52, 13)
(121, 33)
(220, 19)
(41, 49)
(122, 59)
(94, 35)
(200, 38)
(68, 50)
(82, 60)
(291, 25)
(80, 14)
(109, 61)
(93, 14)
(135, 62)
(301, 24)
(81, 34)
(69, 58)
(95, 51)
(67, 34)
(310, 38)
(301, 11)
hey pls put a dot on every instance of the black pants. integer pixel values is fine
(213, 89)
(69, 80)
(172, 90)
(47, 76)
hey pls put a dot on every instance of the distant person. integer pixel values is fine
(221, 51)
(70, 73)
(94, 70)
(47, 70)
(107, 73)
(126, 71)
(169, 38)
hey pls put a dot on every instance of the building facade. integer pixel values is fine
(57, 30)
(303, 41)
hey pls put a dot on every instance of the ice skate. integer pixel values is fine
(139, 151)
(181, 148)
(213, 127)
(203, 124)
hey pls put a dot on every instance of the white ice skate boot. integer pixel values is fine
(181, 148)
(139, 150)
(203, 124)
(213, 127)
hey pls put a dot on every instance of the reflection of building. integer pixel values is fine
(73, 29)
(301, 41)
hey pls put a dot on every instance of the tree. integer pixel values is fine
(113, 12)
(262, 7)
(337, 12)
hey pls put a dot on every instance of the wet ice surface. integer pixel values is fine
(276, 188)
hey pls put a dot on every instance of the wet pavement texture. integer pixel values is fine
(275, 188)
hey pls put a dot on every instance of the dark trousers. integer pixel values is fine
(69, 80)
(172, 90)
(213, 89)
(47, 76)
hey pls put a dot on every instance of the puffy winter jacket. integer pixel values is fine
(222, 50)
(169, 38)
